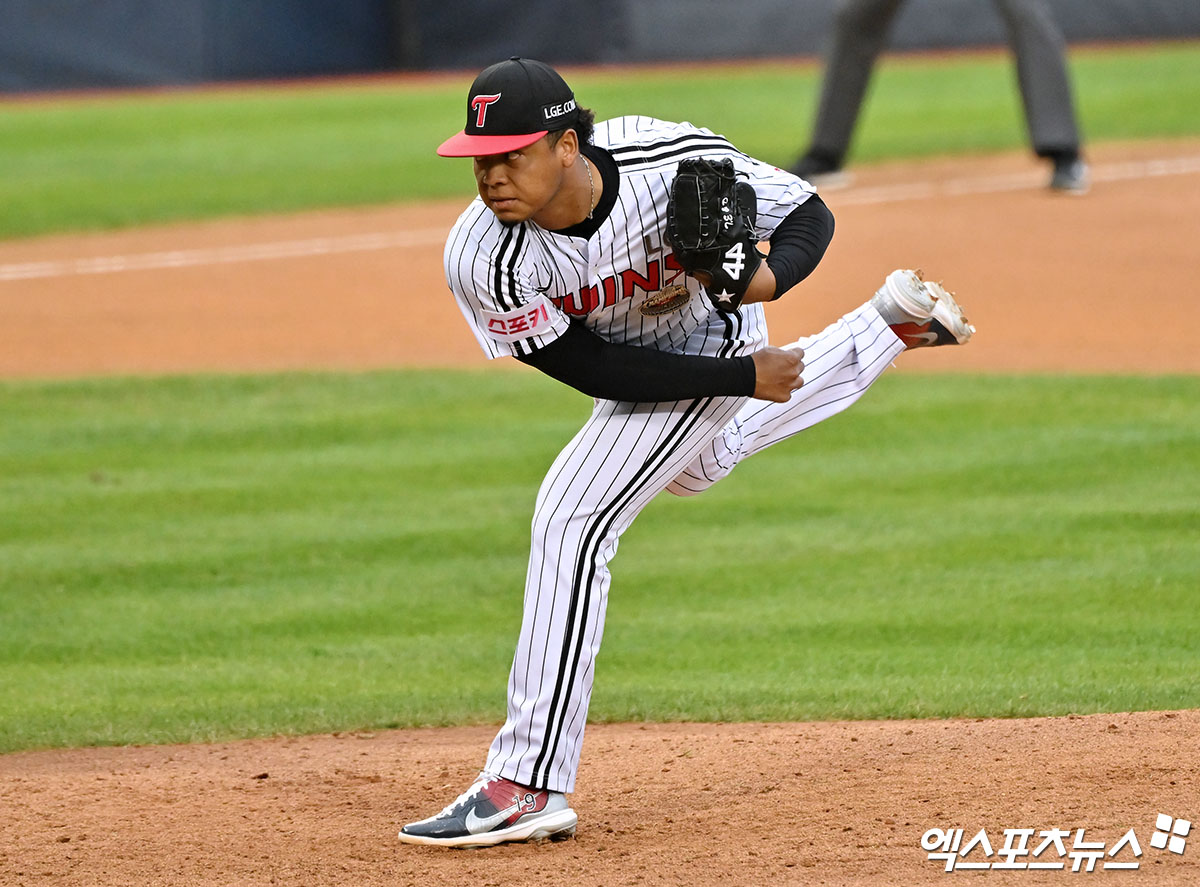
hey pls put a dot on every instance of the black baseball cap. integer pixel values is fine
(511, 105)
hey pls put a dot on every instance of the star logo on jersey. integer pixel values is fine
(725, 300)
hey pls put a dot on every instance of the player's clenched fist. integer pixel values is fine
(777, 373)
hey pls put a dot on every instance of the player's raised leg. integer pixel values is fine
(840, 363)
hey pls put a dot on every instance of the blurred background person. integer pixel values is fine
(860, 31)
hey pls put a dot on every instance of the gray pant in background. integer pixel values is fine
(860, 31)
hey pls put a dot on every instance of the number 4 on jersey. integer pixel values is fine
(735, 260)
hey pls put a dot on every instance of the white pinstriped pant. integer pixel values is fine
(623, 457)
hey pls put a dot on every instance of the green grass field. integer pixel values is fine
(218, 556)
(100, 163)
(209, 557)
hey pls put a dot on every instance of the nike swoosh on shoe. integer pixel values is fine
(477, 825)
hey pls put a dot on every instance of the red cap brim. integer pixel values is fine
(464, 145)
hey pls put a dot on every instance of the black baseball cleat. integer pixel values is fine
(821, 170)
(1070, 176)
(495, 811)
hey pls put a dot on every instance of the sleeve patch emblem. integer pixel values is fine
(533, 318)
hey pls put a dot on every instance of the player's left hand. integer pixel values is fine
(710, 228)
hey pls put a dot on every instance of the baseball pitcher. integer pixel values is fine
(622, 259)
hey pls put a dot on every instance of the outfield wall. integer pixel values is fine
(73, 44)
(651, 30)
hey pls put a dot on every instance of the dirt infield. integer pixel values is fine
(1101, 283)
(745, 804)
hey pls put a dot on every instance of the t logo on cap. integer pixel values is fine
(480, 105)
(537, 101)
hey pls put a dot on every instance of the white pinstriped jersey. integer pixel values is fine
(519, 288)
(519, 285)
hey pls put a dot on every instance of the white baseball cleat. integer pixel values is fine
(921, 312)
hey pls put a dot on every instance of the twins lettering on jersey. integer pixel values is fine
(535, 318)
(660, 272)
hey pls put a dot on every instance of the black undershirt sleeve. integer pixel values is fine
(599, 368)
(799, 243)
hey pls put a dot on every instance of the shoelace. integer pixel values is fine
(482, 781)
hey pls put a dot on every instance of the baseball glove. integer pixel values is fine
(710, 228)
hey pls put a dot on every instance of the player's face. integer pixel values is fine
(521, 185)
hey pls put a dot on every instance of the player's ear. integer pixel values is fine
(567, 147)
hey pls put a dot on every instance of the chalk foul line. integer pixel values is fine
(223, 255)
(1022, 181)
(435, 237)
